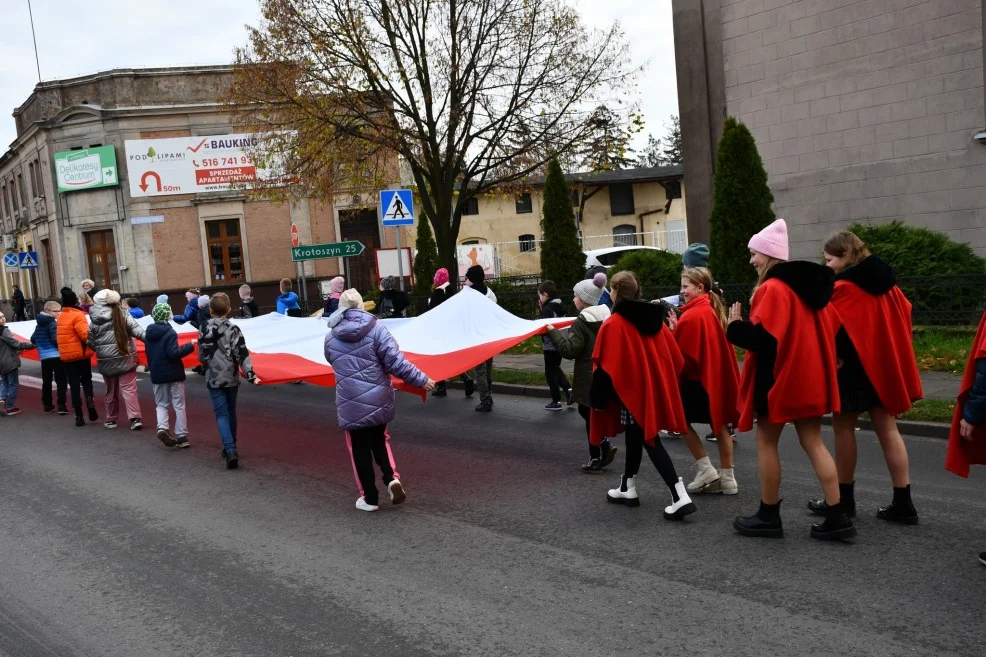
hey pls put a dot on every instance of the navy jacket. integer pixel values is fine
(203, 318)
(191, 313)
(163, 353)
(45, 337)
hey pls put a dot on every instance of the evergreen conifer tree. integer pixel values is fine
(426, 259)
(741, 205)
(562, 259)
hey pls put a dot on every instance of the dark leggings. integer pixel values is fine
(594, 451)
(553, 372)
(657, 453)
(79, 375)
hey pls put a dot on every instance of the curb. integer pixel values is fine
(910, 428)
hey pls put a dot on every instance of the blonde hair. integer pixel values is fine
(625, 287)
(52, 307)
(847, 245)
(763, 274)
(88, 282)
(245, 289)
(85, 299)
(702, 276)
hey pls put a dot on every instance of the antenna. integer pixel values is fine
(37, 62)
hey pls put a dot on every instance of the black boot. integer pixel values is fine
(79, 420)
(470, 387)
(91, 405)
(232, 459)
(608, 451)
(901, 510)
(837, 525)
(766, 523)
(440, 390)
(485, 404)
(846, 494)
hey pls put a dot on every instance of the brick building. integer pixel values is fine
(85, 184)
(863, 110)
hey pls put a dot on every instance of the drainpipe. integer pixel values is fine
(641, 216)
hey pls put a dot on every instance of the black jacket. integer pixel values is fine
(250, 308)
(393, 303)
(553, 309)
(203, 318)
(439, 296)
(164, 355)
(813, 283)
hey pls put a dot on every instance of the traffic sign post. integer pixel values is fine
(325, 251)
(27, 259)
(11, 263)
(397, 206)
(295, 238)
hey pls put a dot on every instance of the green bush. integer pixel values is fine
(655, 269)
(918, 251)
(741, 206)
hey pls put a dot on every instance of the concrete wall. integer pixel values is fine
(863, 110)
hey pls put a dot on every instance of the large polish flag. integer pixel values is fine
(463, 332)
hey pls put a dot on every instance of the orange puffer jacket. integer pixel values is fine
(73, 332)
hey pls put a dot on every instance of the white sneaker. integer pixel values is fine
(626, 494)
(363, 506)
(705, 474)
(396, 490)
(683, 506)
(724, 485)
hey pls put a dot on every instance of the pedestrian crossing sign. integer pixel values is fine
(28, 259)
(397, 206)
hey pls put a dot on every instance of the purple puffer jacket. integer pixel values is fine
(364, 354)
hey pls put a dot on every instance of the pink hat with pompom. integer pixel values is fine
(772, 241)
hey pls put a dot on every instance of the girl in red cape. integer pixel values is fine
(710, 380)
(878, 372)
(788, 376)
(967, 441)
(635, 389)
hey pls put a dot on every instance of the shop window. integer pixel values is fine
(625, 235)
(101, 256)
(225, 250)
(621, 199)
(527, 243)
(524, 204)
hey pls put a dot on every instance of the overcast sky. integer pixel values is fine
(76, 38)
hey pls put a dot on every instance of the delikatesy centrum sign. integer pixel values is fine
(87, 168)
(190, 165)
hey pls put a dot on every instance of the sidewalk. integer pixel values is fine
(937, 385)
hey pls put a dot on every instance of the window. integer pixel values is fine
(527, 243)
(22, 190)
(471, 207)
(575, 197)
(673, 189)
(469, 242)
(625, 235)
(101, 255)
(49, 265)
(37, 184)
(6, 201)
(524, 205)
(225, 250)
(621, 199)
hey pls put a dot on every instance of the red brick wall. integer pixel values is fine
(268, 228)
(323, 231)
(178, 249)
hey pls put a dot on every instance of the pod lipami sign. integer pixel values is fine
(87, 168)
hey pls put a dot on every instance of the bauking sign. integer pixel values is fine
(190, 165)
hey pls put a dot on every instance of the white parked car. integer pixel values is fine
(607, 257)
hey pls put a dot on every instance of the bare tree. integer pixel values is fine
(471, 94)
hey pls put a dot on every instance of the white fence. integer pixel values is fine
(523, 258)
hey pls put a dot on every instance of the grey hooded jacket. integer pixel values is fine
(102, 340)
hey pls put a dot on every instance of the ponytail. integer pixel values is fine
(702, 276)
(120, 331)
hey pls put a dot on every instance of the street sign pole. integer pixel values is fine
(400, 259)
(397, 209)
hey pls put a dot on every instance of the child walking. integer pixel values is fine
(552, 308)
(167, 375)
(249, 306)
(46, 338)
(364, 355)
(710, 380)
(10, 363)
(578, 345)
(788, 376)
(73, 338)
(112, 338)
(476, 279)
(878, 372)
(224, 355)
(288, 301)
(635, 389)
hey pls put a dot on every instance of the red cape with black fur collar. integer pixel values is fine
(963, 453)
(645, 371)
(709, 359)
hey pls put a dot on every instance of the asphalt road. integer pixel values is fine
(112, 545)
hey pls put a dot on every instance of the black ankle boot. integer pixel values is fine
(91, 404)
(901, 510)
(837, 525)
(846, 494)
(766, 523)
(79, 420)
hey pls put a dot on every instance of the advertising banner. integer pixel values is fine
(190, 165)
(483, 255)
(87, 168)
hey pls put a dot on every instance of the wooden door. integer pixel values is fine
(361, 225)
(101, 256)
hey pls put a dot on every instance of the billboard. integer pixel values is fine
(483, 255)
(87, 168)
(191, 165)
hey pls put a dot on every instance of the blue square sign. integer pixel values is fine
(397, 206)
(28, 259)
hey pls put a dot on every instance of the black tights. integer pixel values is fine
(594, 451)
(635, 451)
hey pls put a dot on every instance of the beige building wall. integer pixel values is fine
(863, 110)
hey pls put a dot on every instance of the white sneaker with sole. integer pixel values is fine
(363, 506)
(396, 490)
(705, 474)
(626, 494)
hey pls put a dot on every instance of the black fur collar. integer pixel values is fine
(812, 282)
(872, 275)
(648, 318)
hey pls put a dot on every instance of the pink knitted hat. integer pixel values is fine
(772, 241)
(441, 277)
